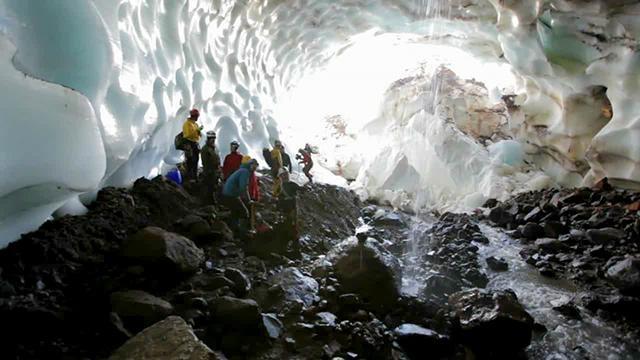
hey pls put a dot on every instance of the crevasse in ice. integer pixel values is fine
(419, 109)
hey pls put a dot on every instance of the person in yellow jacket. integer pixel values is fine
(191, 133)
(276, 165)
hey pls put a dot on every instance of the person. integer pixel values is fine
(276, 165)
(232, 161)
(254, 188)
(288, 204)
(210, 167)
(175, 176)
(286, 160)
(235, 195)
(191, 133)
(254, 192)
(304, 157)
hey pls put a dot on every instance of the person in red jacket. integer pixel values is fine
(254, 188)
(232, 161)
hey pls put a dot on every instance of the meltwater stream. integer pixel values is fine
(565, 339)
(589, 338)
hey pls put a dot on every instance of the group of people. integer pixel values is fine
(237, 174)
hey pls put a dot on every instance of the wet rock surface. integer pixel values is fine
(590, 237)
(493, 324)
(155, 257)
(169, 339)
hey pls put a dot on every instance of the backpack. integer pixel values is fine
(179, 142)
(267, 157)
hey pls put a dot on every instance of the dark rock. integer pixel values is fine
(625, 275)
(169, 339)
(219, 281)
(369, 271)
(241, 282)
(598, 251)
(497, 264)
(349, 300)
(239, 314)
(272, 325)
(139, 309)
(547, 270)
(440, 286)
(554, 229)
(491, 203)
(605, 235)
(326, 319)
(117, 332)
(532, 231)
(569, 310)
(196, 228)
(493, 324)
(415, 340)
(6, 289)
(533, 215)
(199, 303)
(387, 218)
(296, 286)
(500, 216)
(480, 238)
(550, 245)
(163, 250)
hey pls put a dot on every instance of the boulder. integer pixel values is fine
(241, 282)
(605, 235)
(417, 341)
(625, 275)
(139, 309)
(501, 216)
(369, 270)
(163, 250)
(239, 314)
(383, 217)
(550, 245)
(272, 325)
(569, 310)
(439, 287)
(493, 324)
(554, 229)
(497, 264)
(196, 228)
(532, 231)
(169, 339)
(296, 286)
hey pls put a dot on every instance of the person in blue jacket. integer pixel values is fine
(235, 195)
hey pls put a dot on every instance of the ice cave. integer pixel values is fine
(466, 153)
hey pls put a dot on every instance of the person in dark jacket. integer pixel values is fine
(236, 197)
(288, 205)
(286, 160)
(210, 167)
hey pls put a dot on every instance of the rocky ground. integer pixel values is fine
(589, 236)
(151, 272)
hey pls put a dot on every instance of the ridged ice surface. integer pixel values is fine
(93, 92)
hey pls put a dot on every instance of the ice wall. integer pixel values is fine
(93, 92)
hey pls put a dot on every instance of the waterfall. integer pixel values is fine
(413, 282)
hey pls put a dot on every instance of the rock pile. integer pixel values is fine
(590, 236)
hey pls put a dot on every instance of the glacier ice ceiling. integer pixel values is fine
(423, 103)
